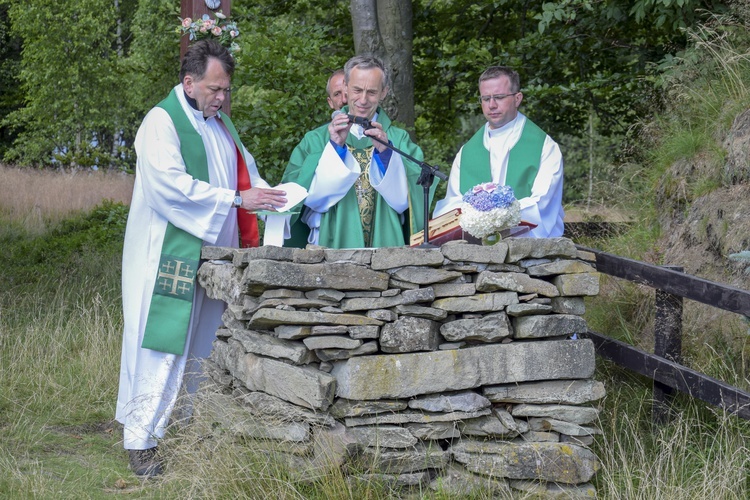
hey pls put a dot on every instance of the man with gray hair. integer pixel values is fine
(360, 192)
(510, 150)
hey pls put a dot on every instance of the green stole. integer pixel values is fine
(341, 226)
(172, 298)
(523, 161)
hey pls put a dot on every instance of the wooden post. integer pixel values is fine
(195, 10)
(668, 345)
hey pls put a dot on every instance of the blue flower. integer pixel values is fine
(485, 197)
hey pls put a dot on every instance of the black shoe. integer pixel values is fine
(145, 463)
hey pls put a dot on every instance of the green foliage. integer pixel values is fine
(573, 56)
(702, 90)
(29, 260)
(69, 74)
(152, 64)
(279, 84)
(11, 95)
(85, 87)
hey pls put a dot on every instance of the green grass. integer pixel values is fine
(702, 453)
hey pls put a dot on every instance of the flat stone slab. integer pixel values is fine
(554, 491)
(488, 281)
(562, 266)
(434, 430)
(481, 302)
(221, 410)
(244, 255)
(569, 413)
(459, 401)
(407, 417)
(535, 248)
(271, 318)
(331, 342)
(353, 256)
(562, 427)
(410, 334)
(390, 258)
(408, 297)
(424, 275)
(572, 392)
(270, 408)
(345, 408)
(420, 457)
(550, 325)
(273, 347)
(386, 436)
(489, 328)
(456, 482)
(260, 274)
(221, 281)
(577, 285)
(405, 375)
(465, 252)
(558, 462)
(337, 354)
(301, 385)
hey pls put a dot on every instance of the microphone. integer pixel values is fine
(362, 122)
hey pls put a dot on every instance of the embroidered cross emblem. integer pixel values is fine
(176, 277)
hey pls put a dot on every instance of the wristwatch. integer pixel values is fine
(237, 199)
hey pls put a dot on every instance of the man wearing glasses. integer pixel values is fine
(510, 150)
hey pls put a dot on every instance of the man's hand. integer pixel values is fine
(257, 199)
(339, 128)
(377, 132)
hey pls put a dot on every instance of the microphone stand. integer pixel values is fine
(425, 180)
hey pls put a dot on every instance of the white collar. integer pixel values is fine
(507, 128)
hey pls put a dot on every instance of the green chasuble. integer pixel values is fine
(523, 161)
(172, 298)
(341, 226)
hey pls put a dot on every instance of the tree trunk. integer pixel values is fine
(384, 28)
(367, 38)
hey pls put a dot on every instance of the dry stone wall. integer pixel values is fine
(457, 368)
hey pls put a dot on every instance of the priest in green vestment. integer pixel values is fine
(510, 150)
(360, 192)
(195, 185)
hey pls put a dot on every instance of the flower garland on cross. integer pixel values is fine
(220, 29)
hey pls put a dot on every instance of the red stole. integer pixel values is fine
(247, 222)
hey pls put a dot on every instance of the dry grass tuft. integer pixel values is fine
(34, 198)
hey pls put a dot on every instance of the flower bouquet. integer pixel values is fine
(220, 29)
(487, 209)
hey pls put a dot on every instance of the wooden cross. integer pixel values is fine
(195, 10)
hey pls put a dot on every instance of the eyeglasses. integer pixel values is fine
(485, 99)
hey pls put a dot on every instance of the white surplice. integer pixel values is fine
(544, 206)
(164, 192)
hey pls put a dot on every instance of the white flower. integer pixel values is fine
(484, 223)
